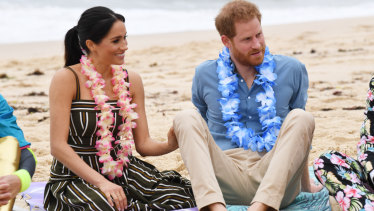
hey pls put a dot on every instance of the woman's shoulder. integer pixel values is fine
(66, 73)
(133, 76)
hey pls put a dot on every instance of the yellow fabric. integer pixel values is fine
(9, 161)
(32, 152)
(25, 178)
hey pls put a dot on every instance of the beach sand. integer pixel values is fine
(338, 54)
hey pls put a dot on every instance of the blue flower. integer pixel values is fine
(228, 85)
(229, 106)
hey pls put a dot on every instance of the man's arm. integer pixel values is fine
(197, 95)
(301, 85)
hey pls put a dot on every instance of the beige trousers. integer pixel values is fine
(241, 177)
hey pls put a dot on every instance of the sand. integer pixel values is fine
(338, 54)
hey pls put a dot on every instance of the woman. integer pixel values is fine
(93, 113)
(351, 181)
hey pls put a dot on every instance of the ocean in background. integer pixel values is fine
(48, 20)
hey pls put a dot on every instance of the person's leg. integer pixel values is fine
(216, 176)
(344, 178)
(279, 172)
(365, 155)
(9, 160)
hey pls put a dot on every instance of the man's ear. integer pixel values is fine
(90, 45)
(226, 41)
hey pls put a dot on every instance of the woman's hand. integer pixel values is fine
(10, 185)
(114, 193)
(172, 139)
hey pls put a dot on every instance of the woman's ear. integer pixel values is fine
(90, 45)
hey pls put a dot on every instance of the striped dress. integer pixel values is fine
(145, 187)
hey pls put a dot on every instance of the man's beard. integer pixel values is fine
(245, 59)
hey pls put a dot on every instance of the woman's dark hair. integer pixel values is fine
(94, 24)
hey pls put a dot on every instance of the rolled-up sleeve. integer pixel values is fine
(198, 95)
(301, 84)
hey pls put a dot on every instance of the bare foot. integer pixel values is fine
(312, 187)
(315, 188)
(214, 207)
(258, 206)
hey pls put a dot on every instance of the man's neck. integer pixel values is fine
(248, 73)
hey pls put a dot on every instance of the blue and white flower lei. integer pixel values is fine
(228, 85)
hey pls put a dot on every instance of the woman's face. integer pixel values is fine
(112, 48)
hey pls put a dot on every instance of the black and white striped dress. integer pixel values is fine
(145, 187)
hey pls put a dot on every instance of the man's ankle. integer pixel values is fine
(215, 206)
(258, 206)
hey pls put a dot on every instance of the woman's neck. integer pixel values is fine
(105, 70)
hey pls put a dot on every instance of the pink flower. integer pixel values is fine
(354, 178)
(362, 141)
(370, 95)
(362, 157)
(105, 158)
(352, 192)
(319, 176)
(96, 83)
(344, 202)
(318, 163)
(339, 161)
(368, 206)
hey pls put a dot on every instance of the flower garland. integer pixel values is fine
(111, 168)
(228, 85)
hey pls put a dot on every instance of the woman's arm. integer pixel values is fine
(61, 94)
(144, 144)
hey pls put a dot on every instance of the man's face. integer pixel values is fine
(248, 45)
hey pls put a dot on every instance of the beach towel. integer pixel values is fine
(304, 201)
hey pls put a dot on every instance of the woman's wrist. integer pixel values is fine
(97, 181)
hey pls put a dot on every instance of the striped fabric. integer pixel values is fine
(145, 187)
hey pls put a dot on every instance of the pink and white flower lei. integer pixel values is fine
(95, 82)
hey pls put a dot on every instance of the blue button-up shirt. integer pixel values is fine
(8, 123)
(290, 92)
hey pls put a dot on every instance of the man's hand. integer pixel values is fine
(10, 185)
(172, 139)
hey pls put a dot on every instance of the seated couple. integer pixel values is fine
(247, 144)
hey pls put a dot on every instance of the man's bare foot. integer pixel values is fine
(315, 188)
(258, 206)
(214, 207)
(311, 187)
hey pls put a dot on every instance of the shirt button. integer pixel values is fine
(241, 80)
(249, 97)
(249, 117)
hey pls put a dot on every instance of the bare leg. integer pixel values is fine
(307, 184)
(214, 207)
(258, 206)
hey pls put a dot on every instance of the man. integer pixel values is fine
(14, 149)
(250, 141)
